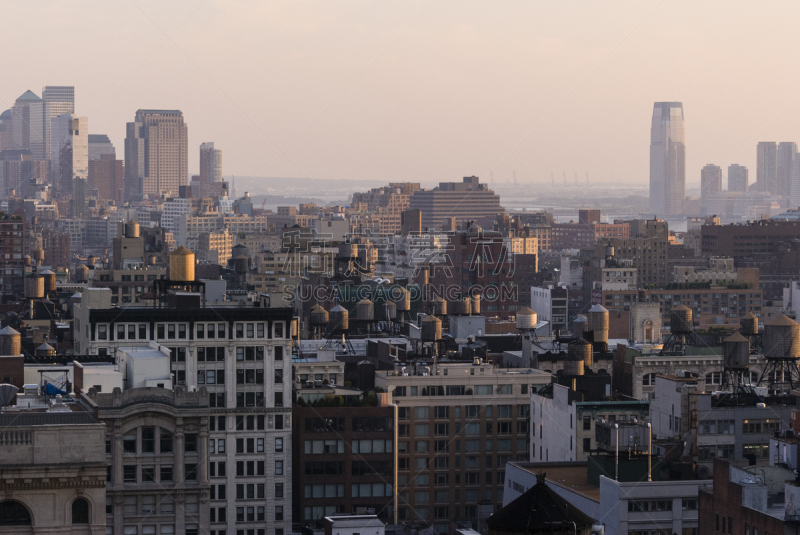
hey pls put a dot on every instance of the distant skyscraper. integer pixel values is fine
(766, 166)
(27, 125)
(783, 169)
(100, 144)
(58, 100)
(710, 184)
(156, 153)
(70, 158)
(667, 159)
(737, 177)
(6, 131)
(210, 167)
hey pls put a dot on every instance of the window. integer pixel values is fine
(165, 442)
(279, 444)
(148, 474)
(190, 472)
(80, 511)
(278, 468)
(129, 473)
(279, 513)
(148, 440)
(190, 443)
(166, 472)
(129, 443)
(649, 379)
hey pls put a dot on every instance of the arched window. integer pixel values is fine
(80, 511)
(14, 514)
(649, 379)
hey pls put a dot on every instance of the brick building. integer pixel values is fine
(730, 507)
(771, 246)
(344, 461)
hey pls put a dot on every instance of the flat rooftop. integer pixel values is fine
(571, 476)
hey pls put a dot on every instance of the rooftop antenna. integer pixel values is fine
(552, 179)
(576, 178)
(587, 178)
(515, 177)
(491, 177)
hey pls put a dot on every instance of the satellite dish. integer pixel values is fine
(7, 393)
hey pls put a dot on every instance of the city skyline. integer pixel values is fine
(355, 105)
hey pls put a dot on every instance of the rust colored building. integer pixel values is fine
(723, 510)
(343, 460)
(56, 248)
(585, 235)
(107, 176)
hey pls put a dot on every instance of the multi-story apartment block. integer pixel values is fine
(584, 235)
(385, 205)
(458, 426)
(343, 459)
(465, 201)
(12, 265)
(215, 247)
(241, 356)
(649, 254)
(189, 227)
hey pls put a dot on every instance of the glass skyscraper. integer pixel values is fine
(667, 159)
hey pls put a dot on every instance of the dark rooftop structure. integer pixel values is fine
(539, 510)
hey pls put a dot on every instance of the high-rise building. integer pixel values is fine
(786, 153)
(107, 177)
(6, 131)
(210, 167)
(667, 159)
(710, 184)
(766, 166)
(100, 144)
(738, 177)
(12, 266)
(156, 153)
(452, 451)
(70, 158)
(241, 357)
(27, 124)
(58, 100)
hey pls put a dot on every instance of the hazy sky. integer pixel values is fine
(421, 90)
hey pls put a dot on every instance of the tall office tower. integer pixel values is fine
(6, 131)
(766, 166)
(794, 188)
(100, 144)
(210, 167)
(58, 100)
(27, 124)
(738, 177)
(667, 159)
(70, 158)
(783, 168)
(156, 153)
(710, 184)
